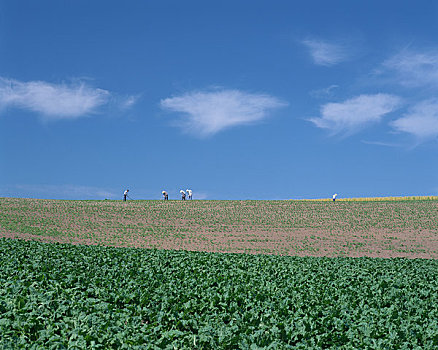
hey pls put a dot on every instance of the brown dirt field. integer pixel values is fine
(298, 243)
(374, 229)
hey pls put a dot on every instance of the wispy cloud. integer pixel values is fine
(67, 191)
(207, 113)
(325, 53)
(200, 195)
(129, 101)
(55, 101)
(324, 92)
(413, 68)
(354, 114)
(381, 143)
(421, 121)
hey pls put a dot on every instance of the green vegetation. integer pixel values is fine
(346, 228)
(163, 218)
(60, 295)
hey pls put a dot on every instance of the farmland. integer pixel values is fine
(76, 296)
(390, 228)
(313, 276)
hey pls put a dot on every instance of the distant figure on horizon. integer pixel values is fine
(334, 197)
(189, 193)
(183, 195)
(165, 195)
(125, 194)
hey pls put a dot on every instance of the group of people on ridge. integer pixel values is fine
(188, 193)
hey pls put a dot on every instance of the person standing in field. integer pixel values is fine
(334, 197)
(165, 195)
(183, 195)
(125, 194)
(189, 193)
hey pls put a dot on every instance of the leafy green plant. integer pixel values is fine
(61, 295)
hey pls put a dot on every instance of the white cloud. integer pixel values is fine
(353, 114)
(325, 53)
(421, 121)
(50, 100)
(413, 69)
(56, 101)
(206, 113)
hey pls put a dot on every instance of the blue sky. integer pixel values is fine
(233, 99)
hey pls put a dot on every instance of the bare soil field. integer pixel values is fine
(384, 229)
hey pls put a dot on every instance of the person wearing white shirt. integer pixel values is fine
(183, 195)
(125, 194)
(334, 197)
(189, 193)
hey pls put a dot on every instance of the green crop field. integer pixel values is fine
(344, 275)
(66, 296)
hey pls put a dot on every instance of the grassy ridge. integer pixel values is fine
(372, 199)
(318, 228)
(54, 295)
(55, 217)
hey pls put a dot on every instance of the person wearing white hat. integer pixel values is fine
(334, 197)
(189, 193)
(183, 195)
(165, 195)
